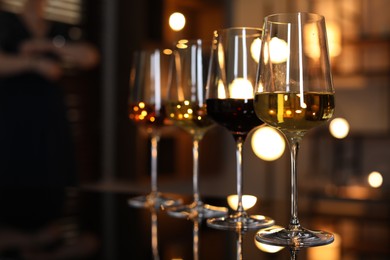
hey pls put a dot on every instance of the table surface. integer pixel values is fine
(96, 224)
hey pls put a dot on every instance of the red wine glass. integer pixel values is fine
(229, 97)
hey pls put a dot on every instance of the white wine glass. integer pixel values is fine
(294, 93)
(147, 96)
(230, 90)
(186, 108)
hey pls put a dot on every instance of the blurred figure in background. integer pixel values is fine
(37, 158)
(35, 141)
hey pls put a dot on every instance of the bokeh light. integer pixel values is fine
(375, 179)
(177, 21)
(255, 49)
(241, 88)
(269, 248)
(267, 143)
(330, 251)
(339, 128)
(279, 50)
(248, 201)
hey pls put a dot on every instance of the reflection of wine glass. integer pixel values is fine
(294, 93)
(186, 109)
(148, 82)
(154, 235)
(229, 97)
(195, 239)
(240, 236)
(294, 253)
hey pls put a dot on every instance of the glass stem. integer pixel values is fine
(195, 169)
(293, 141)
(154, 140)
(239, 145)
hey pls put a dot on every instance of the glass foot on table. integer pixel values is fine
(240, 222)
(294, 238)
(153, 201)
(196, 210)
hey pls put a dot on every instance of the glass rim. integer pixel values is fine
(190, 41)
(238, 28)
(312, 17)
(164, 51)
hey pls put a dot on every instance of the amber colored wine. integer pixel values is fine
(146, 114)
(294, 112)
(190, 117)
(237, 115)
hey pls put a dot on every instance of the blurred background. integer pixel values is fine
(344, 179)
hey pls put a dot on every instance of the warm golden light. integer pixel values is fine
(375, 179)
(255, 49)
(182, 44)
(331, 251)
(334, 38)
(241, 88)
(177, 21)
(221, 90)
(167, 51)
(312, 48)
(278, 50)
(267, 143)
(269, 248)
(339, 128)
(248, 201)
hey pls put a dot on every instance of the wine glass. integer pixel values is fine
(186, 108)
(148, 84)
(232, 73)
(294, 93)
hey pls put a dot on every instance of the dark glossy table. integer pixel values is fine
(94, 224)
(99, 224)
(133, 233)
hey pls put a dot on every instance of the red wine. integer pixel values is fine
(237, 115)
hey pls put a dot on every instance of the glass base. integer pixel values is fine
(240, 222)
(294, 238)
(153, 200)
(197, 210)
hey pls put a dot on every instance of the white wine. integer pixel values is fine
(294, 112)
(190, 117)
